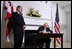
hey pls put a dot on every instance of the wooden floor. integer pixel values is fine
(65, 45)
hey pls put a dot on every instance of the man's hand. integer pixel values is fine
(24, 26)
(44, 32)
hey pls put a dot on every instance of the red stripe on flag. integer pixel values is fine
(9, 3)
(9, 15)
(57, 41)
(56, 32)
(11, 9)
(57, 28)
(59, 38)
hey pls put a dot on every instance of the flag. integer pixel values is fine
(57, 25)
(9, 8)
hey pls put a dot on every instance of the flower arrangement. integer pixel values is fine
(33, 13)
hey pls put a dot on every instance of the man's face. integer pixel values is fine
(45, 25)
(20, 9)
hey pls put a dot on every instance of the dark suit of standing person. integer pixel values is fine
(18, 27)
(44, 30)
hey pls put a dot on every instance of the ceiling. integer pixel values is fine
(65, 5)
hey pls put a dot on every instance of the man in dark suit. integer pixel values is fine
(18, 27)
(44, 30)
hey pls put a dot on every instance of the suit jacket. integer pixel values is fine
(41, 28)
(18, 22)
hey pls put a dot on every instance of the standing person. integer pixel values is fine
(18, 27)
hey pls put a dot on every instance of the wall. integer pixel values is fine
(43, 8)
(68, 25)
(67, 10)
(1, 10)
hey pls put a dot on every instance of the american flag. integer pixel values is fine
(57, 26)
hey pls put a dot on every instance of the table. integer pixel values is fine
(53, 35)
